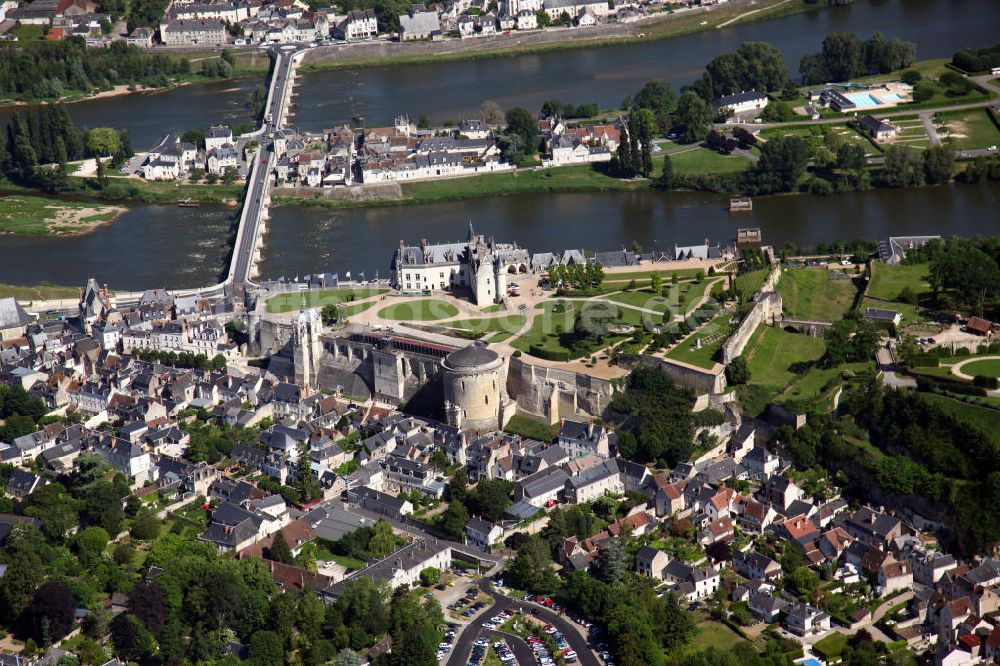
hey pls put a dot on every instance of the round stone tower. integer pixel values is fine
(475, 394)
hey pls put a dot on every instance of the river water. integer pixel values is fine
(149, 246)
(451, 90)
(155, 246)
(305, 240)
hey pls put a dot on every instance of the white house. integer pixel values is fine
(740, 103)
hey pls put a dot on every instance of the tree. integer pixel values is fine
(851, 157)
(454, 519)
(738, 371)
(383, 541)
(666, 181)
(51, 613)
(695, 115)
(348, 657)
(782, 162)
(103, 142)
(146, 526)
(430, 576)
(266, 649)
(146, 602)
(131, 638)
(491, 112)
(307, 483)
(611, 562)
(531, 568)
(279, 550)
(458, 486)
(90, 544)
(903, 167)
(123, 554)
(655, 281)
(490, 498)
(938, 164)
(522, 123)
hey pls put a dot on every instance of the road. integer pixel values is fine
(255, 203)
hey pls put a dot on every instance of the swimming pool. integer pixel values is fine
(809, 661)
(863, 100)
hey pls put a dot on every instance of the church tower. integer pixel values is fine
(307, 347)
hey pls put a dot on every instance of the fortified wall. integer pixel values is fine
(552, 394)
(766, 308)
(699, 380)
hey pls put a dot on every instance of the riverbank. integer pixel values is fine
(659, 26)
(34, 215)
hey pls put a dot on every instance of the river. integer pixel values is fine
(451, 90)
(149, 246)
(305, 240)
(167, 246)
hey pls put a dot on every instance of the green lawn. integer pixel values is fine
(526, 426)
(984, 418)
(682, 297)
(814, 383)
(887, 281)
(709, 634)
(642, 277)
(911, 313)
(989, 367)
(705, 160)
(557, 317)
(425, 309)
(712, 335)
(771, 354)
(970, 129)
(812, 294)
(352, 309)
(317, 299)
(496, 307)
(831, 647)
(507, 324)
(38, 216)
(27, 33)
(40, 292)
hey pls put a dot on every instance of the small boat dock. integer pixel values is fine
(740, 205)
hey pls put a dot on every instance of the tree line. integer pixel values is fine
(843, 57)
(40, 140)
(977, 60)
(36, 71)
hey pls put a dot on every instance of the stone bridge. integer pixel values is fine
(811, 327)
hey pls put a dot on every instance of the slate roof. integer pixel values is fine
(12, 315)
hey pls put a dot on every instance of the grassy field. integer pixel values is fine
(831, 647)
(811, 385)
(506, 324)
(426, 309)
(581, 178)
(39, 216)
(708, 634)
(704, 160)
(969, 129)
(887, 281)
(984, 418)
(771, 354)
(812, 294)
(712, 335)
(169, 192)
(526, 426)
(40, 292)
(317, 299)
(988, 367)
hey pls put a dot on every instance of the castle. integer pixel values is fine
(479, 265)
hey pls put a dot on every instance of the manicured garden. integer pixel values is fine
(293, 300)
(811, 293)
(712, 335)
(986, 367)
(547, 334)
(425, 309)
(680, 298)
(749, 283)
(506, 324)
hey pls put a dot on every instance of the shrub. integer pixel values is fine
(910, 77)
(985, 381)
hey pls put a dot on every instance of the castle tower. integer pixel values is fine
(307, 347)
(475, 393)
